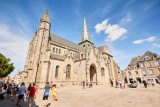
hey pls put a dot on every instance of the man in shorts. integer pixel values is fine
(46, 93)
(22, 91)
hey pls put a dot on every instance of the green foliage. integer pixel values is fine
(5, 66)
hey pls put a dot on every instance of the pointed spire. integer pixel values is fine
(45, 17)
(85, 34)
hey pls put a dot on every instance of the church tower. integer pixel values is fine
(37, 61)
(42, 52)
(85, 41)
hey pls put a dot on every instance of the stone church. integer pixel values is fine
(53, 58)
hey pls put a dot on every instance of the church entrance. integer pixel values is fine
(93, 74)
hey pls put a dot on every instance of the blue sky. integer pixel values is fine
(128, 27)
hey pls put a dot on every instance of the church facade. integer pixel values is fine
(52, 58)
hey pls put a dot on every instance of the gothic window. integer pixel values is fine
(144, 72)
(54, 50)
(102, 72)
(136, 72)
(56, 72)
(59, 51)
(148, 63)
(68, 71)
(151, 72)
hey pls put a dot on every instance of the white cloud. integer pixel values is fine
(14, 44)
(156, 44)
(114, 32)
(149, 39)
(138, 41)
(126, 19)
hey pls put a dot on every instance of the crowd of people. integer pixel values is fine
(87, 84)
(22, 94)
(148, 83)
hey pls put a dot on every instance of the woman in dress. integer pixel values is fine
(54, 92)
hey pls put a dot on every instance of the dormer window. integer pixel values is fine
(146, 58)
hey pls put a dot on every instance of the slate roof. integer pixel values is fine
(148, 54)
(62, 41)
(102, 49)
(58, 57)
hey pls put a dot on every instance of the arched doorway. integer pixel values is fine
(68, 71)
(93, 73)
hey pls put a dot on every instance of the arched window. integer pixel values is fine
(68, 71)
(54, 50)
(56, 72)
(59, 51)
(102, 72)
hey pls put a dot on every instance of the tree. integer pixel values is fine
(5, 66)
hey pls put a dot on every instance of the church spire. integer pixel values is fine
(45, 17)
(85, 34)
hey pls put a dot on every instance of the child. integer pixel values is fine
(54, 92)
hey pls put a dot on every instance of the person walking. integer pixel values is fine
(9, 90)
(32, 94)
(111, 83)
(54, 92)
(83, 83)
(144, 83)
(15, 92)
(46, 94)
(87, 83)
(22, 91)
(153, 83)
(1, 92)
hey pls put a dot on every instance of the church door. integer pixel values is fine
(93, 73)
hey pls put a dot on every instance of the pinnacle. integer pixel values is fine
(45, 17)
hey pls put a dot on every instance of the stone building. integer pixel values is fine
(53, 58)
(144, 67)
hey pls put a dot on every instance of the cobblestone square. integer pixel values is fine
(99, 96)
